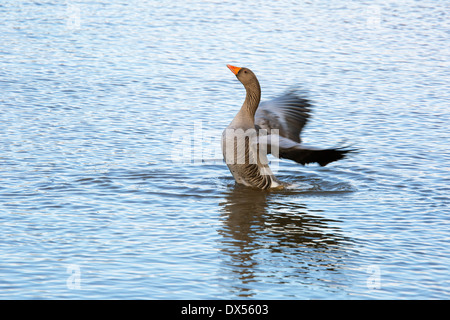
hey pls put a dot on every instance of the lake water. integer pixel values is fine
(112, 186)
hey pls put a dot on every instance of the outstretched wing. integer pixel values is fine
(287, 113)
(285, 148)
(305, 155)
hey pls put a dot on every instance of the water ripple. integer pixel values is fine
(92, 94)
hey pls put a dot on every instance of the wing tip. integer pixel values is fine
(336, 154)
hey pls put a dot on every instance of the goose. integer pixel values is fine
(268, 127)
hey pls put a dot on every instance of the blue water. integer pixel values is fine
(111, 186)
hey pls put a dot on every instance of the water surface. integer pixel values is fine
(107, 191)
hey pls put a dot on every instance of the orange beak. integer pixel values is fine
(233, 69)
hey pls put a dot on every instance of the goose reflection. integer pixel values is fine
(265, 238)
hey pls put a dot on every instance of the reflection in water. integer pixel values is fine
(286, 240)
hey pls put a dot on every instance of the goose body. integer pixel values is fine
(268, 127)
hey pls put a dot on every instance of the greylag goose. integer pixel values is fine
(268, 127)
